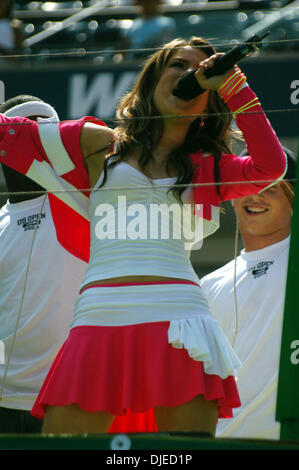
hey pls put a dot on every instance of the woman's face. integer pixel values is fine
(182, 61)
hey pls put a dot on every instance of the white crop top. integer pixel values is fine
(139, 228)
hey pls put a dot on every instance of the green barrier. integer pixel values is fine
(287, 409)
(136, 442)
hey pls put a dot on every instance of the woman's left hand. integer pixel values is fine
(212, 83)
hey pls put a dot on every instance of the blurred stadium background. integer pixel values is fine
(83, 68)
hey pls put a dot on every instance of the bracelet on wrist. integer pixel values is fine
(245, 107)
(232, 85)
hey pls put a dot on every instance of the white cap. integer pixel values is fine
(32, 108)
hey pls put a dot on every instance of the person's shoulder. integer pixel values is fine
(92, 130)
(94, 125)
(95, 137)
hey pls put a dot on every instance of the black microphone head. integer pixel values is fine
(188, 87)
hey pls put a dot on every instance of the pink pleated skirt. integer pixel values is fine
(131, 368)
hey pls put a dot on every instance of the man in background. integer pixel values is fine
(247, 296)
(39, 281)
(150, 29)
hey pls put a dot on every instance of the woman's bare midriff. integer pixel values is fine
(125, 279)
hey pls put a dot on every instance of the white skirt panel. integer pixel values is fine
(184, 305)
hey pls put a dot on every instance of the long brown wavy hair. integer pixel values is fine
(140, 126)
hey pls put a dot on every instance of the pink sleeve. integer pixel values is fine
(19, 143)
(266, 160)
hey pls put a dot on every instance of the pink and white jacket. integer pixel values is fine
(49, 152)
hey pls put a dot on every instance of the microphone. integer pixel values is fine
(188, 86)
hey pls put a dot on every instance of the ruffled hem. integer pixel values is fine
(129, 367)
(204, 340)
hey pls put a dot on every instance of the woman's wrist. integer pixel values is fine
(232, 85)
(243, 101)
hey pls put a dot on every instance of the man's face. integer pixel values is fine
(265, 214)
